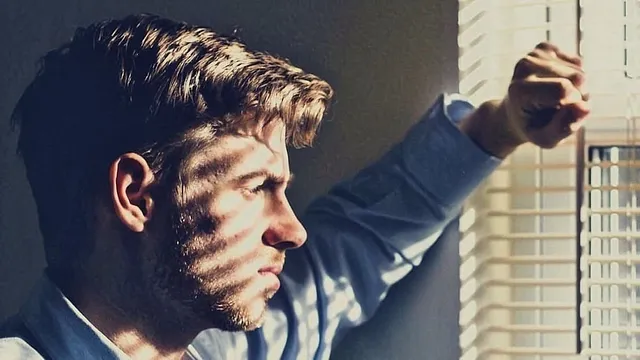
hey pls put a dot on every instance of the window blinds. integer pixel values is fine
(543, 275)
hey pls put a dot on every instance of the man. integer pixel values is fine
(156, 152)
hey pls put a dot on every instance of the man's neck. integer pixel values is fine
(139, 332)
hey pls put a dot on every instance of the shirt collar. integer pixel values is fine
(63, 331)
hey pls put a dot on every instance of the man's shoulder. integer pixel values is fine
(13, 348)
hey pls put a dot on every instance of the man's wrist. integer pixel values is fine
(488, 126)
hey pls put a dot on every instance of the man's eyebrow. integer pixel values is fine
(268, 175)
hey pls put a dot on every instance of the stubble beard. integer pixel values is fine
(200, 300)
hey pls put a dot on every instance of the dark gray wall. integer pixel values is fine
(419, 318)
(387, 61)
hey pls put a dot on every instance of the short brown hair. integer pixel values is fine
(139, 84)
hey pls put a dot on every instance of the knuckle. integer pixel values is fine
(523, 66)
(537, 53)
(545, 45)
(563, 87)
(578, 78)
(546, 49)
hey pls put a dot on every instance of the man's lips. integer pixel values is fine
(271, 272)
(275, 269)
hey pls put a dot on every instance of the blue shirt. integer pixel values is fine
(365, 235)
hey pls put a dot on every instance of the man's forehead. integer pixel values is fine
(242, 152)
(272, 134)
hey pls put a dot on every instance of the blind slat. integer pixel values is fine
(552, 189)
(558, 236)
(560, 212)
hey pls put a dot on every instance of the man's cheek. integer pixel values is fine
(245, 217)
(228, 203)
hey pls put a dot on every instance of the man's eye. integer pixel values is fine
(266, 186)
(252, 191)
(257, 189)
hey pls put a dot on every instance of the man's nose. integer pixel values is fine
(286, 231)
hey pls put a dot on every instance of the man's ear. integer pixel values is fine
(130, 181)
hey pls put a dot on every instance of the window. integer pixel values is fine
(549, 251)
(611, 257)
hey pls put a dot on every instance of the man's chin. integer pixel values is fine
(253, 318)
(239, 324)
(247, 318)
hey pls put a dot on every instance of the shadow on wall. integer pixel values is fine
(387, 62)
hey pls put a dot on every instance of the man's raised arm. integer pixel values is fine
(371, 230)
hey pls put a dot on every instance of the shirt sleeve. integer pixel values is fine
(369, 231)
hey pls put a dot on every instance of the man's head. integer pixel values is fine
(156, 154)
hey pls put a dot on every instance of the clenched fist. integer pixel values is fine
(545, 103)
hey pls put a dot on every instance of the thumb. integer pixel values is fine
(579, 111)
(564, 122)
